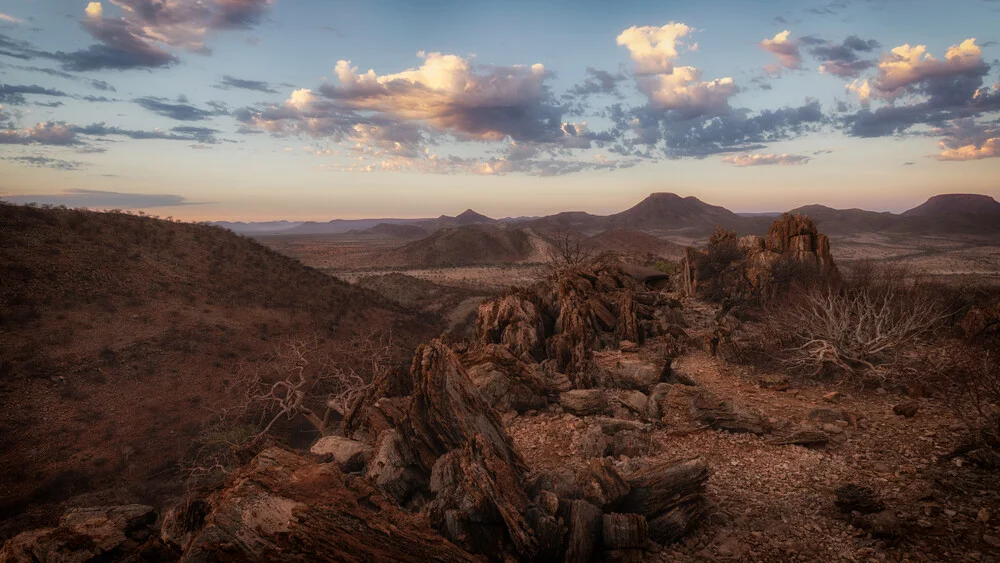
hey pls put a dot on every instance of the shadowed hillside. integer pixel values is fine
(468, 245)
(120, 337)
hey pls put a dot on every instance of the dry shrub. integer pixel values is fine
(302, 379)
(859, 330)
(718, 269)
(569, 250)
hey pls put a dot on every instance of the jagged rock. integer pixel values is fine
(722, 415)
(670, 496)
(393, 468)
(763, 267)
(908, 409)
(857, 498)
(635, 401)
(585, 522)
(480, 503)
(583, 402)
(635, 374)
(183, 521)
(624, 531)
(351, 455)
(447, 411)
(502, 392)
(678, 521)
(282, 506)
(514, 322)
(602, 484)
(84, 534)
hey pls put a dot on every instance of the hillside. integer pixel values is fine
(464, 246)
(638, 242)
(667, 211)
(121, 338)
(945, 204)
(847, 221)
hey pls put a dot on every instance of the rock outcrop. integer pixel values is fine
(752, 266)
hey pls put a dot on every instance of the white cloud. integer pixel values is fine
(785, 49)
(653, 49)
(684, 91)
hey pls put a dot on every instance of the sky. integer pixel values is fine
(260, 110)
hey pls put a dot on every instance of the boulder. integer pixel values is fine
(602, 484)
(351, 455)
(84, 534)
(634, 401)
(283, 506)
(583, 402)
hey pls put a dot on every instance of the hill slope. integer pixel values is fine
(973, 204)
(667, 211)
(121, 337)
(466, 246)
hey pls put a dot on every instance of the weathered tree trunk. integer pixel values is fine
(660, 487)
(603, 485)
(675, 523)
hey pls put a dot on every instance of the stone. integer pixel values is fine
(583, 402)
(592, 442)
(635, 401)
(351, 455)
(833, 397)
(908, 409)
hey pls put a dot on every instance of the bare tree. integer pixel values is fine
(302, 381)
(569, 249)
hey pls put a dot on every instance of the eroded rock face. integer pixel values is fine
(793, 251)
(84, 534)
(284, 506)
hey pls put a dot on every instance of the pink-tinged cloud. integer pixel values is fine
(684, 91)
(745, 159)
(49, 133)
(653, 49)
(990, 148)
(785, 49)
(906, 67)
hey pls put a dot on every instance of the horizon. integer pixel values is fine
(266, 110)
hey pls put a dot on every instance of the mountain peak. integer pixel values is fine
(977, 204)
(469, 216)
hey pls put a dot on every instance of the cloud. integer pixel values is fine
(683, 91)
(96, 84)
(843, 59)
(49, 133)
(10, 19)
(786, 50)
(599, 82)
(13, 94)
(653, 49)
(648, 132)
(746, 159)
(180, 111)
(908, 70)
(95, 199)
(254, 85)
(135, 40)
(445, 96)
(123, 45)
(46, 162)
(64, 134)
(680, 89)
(964, 139)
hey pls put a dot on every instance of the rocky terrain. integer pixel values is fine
(594, 415)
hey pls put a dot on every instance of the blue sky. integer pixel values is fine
(249, 109)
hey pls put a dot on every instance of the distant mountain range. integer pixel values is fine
(668, 213)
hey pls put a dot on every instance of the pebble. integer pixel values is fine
(991, 540)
